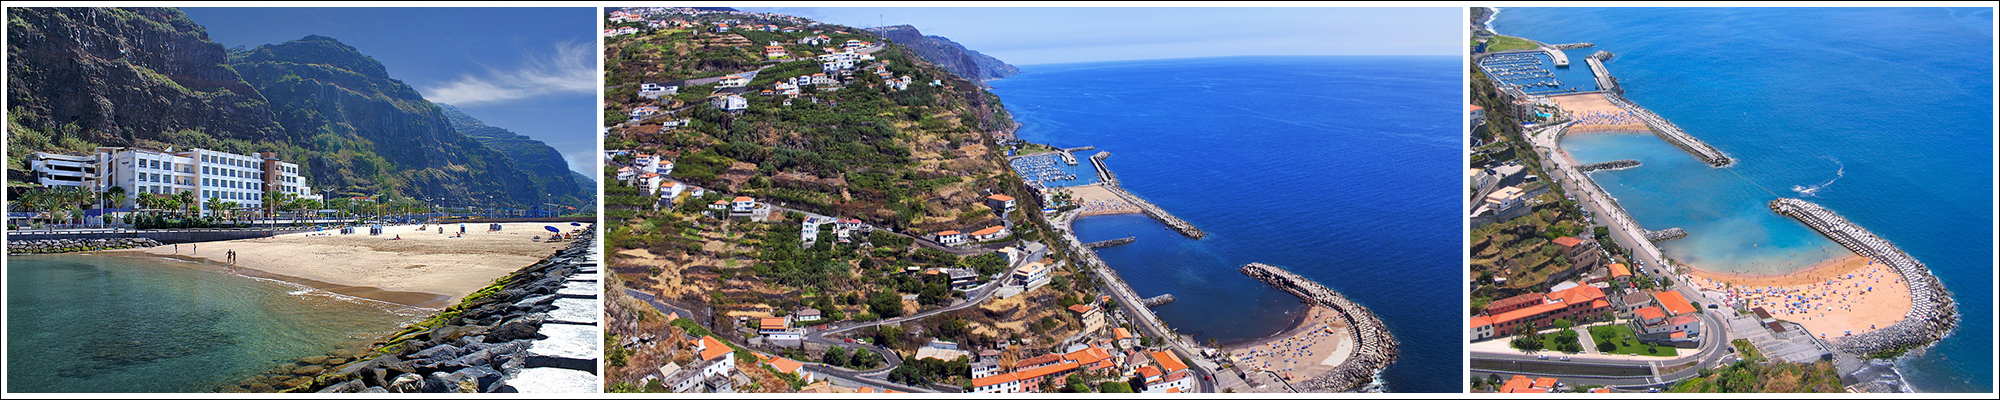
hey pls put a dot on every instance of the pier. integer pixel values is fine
(1375, 346)
(1562, 60)
(1067, 157)
(1609, 166)
(1665, 234)
(1673, 134)
(1932, 315)
(1109, 243)
(1605, 82)
(1103, 174)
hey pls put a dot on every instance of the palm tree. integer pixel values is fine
(214, 206)
(231, 206)
(184, 200)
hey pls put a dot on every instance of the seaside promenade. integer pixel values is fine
(1134, 305)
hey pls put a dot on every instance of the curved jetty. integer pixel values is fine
(1374, 349)
(1932, 313)
(1672, 133)
(536, 331)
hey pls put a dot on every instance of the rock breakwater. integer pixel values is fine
(1375, 346)
(1932, 313)
(533, 331)
(50, 246)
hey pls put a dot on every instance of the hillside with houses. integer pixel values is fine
(825, 203)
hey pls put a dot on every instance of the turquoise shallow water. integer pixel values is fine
(91, 323)
(1884, 115)
(1341, 169)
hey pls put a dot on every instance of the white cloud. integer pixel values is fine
(570, 69)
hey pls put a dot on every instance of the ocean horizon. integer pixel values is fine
(1341, 169)
(1883, 115)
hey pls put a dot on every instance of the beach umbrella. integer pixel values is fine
(552, 229)
(576, 224)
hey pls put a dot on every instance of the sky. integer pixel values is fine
(1058, 35)
(532, 71)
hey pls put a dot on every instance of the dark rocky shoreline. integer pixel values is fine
(51, 246)
(528, 332)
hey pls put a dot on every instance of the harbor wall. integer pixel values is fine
(1932, 315)
(1375, 346)
(1672, 133)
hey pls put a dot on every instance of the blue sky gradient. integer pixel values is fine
(529, 70)
(1056, 35)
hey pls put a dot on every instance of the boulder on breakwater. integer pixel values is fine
(1375, 346)
(481, 345)
(49, 246)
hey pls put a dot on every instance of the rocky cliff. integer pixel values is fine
(966, 63)
(543, 164)
(114, 76)
(150, 77)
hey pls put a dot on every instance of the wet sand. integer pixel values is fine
(1097, 200)
(1315, 345)
(1847, 295)
(423, 269)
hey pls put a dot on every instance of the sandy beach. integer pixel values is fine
(1848, 295)
(1594, 113)
(423, 269)
(1097, 200)
(1315, 346)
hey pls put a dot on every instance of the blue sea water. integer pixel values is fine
(1342, 169)
(1882, 114)
(95, 323)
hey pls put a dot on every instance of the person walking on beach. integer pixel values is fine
(177, 248)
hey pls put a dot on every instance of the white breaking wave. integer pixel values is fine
(1813, 191)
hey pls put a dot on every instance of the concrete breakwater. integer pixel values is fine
(1605, 82)
(1103, 173)
(48, 246)
(1108, 243)
(1154, 211)
(1573, 46)
(1666, 234)
(1609, 165)
(1374, 346)
(1672, 133)
(1110, 182)
(533, 331)
(1933, 314)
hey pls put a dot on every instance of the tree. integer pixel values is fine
(886, 303)
(1114, 387)
(836, 356)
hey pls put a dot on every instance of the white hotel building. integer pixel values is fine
(208, 173)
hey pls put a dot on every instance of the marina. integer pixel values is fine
(1057, 169)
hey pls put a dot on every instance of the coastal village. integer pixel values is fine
(936, 257)
(1563, 281)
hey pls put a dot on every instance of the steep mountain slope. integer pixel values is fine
(966, 63)
(150, 77)
(543, 164)
(370, 131)
(83, 77)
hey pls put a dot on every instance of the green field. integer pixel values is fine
(1624, 341)
(1504, 43)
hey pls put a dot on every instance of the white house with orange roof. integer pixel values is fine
(950, 237)
(742, 204)
(1000, 202)
(990, 233)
